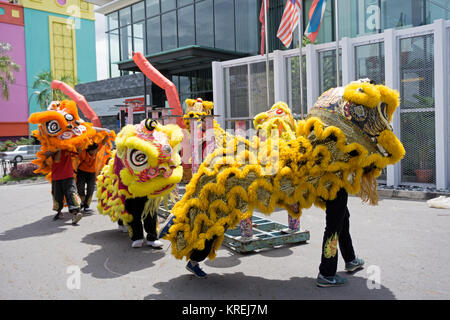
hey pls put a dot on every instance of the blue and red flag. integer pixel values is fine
(315, 18)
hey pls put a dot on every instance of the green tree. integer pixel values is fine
(43, 81)
(7, 67)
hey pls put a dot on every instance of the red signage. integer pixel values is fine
(136, 104)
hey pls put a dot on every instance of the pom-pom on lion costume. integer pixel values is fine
(345, 142)
(145, 167)
(61, 128)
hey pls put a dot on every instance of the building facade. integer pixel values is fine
(14, 111)
(57, 36)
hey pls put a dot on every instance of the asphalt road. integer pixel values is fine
(405, 245)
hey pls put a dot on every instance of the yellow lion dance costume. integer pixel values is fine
(145, 167)
(344, 142)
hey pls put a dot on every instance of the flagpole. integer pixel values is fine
(266, 12)
(300, 58)
(338, 84)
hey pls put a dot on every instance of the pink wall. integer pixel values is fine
(16, 108)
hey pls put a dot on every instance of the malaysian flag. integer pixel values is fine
(261, 19)
(290, 19)
(315, 18)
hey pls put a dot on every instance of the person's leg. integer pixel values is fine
(121, 227)
(345, 240)
(89, 189)
(135, 206)
(335, 214)
(58, 198)
(150, 224)
(198, 256)
(81, 186)
(72, 198)
(352, 262)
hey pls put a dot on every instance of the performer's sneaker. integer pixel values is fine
(77, 217)
(196, 270)
(166, 226)
(57, 216)
(155, 244)
(88, 211)
(354, 265)
(333, 281)
(137, 243)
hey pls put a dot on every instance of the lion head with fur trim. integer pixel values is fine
(148, 152)
(60, 127)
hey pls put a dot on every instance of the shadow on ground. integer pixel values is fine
(234, 286)
(233, 258)
(43, 227)
(115, 257)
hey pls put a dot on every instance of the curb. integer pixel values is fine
(410, 194)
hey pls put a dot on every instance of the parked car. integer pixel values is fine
(20, 153)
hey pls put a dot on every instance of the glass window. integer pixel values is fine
(139, 36)
(125, 16)
(258, 87)
(369, 60)
(126, 43)
(114, 52)
(417, 72)
(153, 35)
(402, 13)
(438, 9)
(112, 21)
(294, 85)
(417, 116)
(152, 7)
(169, 30)
(183, 2)
(138, 11)
(185, 84)
(186, 31)
(204, 23)
(327, 69)
(247, 26)
(224, 24)
(238, 91)
(167, 5)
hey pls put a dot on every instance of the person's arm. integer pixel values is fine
(48, 154)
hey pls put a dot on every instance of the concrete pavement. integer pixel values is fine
(404, 243)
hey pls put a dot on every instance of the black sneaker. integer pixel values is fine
(57, 216)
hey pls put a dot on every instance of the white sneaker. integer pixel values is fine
(123, 229)
(137, 243)
(155, 244)
(77, 217)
